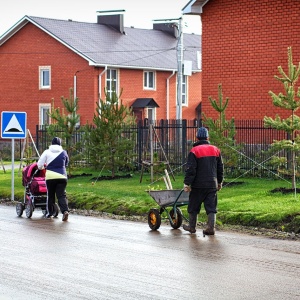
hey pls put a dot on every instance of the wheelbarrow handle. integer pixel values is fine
(178, 196)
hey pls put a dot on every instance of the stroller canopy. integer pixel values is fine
(29, 171)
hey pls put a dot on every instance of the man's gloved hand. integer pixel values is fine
(187, 188)
(219, 186)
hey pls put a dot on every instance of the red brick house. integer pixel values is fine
(243, 43)
(41, 59)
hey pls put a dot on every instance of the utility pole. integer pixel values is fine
(179, 70)
(179, 81)
(179, 56)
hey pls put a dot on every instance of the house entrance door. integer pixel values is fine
(138, 114)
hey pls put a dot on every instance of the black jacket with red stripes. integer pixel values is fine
(204, 168)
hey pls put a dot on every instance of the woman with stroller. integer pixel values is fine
(55, 160)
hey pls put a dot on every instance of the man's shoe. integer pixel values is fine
(65, 216)
(48, 217)
(188, 228)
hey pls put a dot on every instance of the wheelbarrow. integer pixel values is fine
(170, 202)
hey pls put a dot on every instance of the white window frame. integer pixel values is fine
(112, 83)
(43, 83)
(149, 81)
(42, 108)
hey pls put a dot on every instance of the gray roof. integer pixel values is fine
(102, 45)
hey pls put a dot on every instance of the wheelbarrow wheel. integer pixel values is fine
(154, 219)
(177, 220)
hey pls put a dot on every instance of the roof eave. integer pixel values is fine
(136, 67)
(194, 7)
(14, 29)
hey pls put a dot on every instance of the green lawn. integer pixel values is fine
(250, 203)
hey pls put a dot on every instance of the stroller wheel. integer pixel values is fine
(29, 210)
(55, 210)
(19, 209)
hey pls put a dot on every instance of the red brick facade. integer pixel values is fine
(27, 50)
(243, 43)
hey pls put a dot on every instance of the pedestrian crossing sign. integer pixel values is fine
(13, 125)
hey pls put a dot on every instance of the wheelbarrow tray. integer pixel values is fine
(169, 197)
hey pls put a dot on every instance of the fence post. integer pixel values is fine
(140, 139)
(37, 136)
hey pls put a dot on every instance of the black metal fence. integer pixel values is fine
(172, 140)
(253, 142)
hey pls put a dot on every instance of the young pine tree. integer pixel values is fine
(222, 131)
(288, 100)
(110, 148)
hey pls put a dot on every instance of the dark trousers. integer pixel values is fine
(56, 187)
(206, 196)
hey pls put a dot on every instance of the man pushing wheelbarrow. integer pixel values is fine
(203, 178)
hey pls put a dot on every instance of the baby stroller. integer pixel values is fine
(35, 194)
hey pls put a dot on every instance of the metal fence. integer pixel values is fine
(172, 140)
(253, 142)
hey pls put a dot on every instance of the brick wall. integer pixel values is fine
(133, 89)
(20, 58)
(243, 44)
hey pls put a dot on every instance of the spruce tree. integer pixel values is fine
(288, 100)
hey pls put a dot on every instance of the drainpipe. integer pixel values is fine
(168, 94)
(75, 93)
(75, 85)
(100, 79)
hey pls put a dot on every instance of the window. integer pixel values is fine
(44, 110)
(111, 81)
(184, 90)
(149, 80)
(45, 77)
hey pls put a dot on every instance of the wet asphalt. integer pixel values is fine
(96, 258)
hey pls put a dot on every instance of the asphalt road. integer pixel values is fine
(93, 258)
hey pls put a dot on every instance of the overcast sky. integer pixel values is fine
(139, 13)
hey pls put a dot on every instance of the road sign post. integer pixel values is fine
(13, 126)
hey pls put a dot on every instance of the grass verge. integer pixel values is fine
(250, 203)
